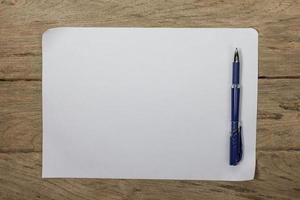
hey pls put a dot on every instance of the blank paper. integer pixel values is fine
(146, 103)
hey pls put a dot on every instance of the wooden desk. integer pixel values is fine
(22, 23)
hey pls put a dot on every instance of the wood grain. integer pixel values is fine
(23, 22)
(20, 116)
(278, 118)
(278, 177)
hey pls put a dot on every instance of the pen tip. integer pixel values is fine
(236, 55)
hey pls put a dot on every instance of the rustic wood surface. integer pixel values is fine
(22, 23)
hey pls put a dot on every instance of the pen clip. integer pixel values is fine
(240, 145)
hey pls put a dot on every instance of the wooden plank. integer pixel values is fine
(20, 116)
(277, 177)
(23, 22)
(278, 115)
(278, 118)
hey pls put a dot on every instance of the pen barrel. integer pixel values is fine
(235, 138)
(235, 103)
(236, 73)
(236, 133)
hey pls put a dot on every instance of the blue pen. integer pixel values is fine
(236, 129)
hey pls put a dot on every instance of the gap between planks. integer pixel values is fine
(38, 79)
(25, 151)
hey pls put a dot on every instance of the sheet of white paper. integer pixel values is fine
(146, 103)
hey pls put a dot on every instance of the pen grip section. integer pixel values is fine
(236, 150)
